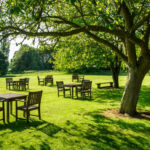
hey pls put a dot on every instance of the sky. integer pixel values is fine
(14, 47)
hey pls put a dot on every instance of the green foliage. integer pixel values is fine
(71, 1)
(74, 54)
(4, 53)
(82, 54)
(29, 58)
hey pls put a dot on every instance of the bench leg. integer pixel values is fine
(111, 84)
(98, 86)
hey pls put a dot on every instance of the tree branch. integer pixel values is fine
(140, 23)
(108, 44)
(118, 33)
(21, 31)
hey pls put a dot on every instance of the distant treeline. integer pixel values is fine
(30, 58)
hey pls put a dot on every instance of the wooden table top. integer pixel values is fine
(73, 84)
(8, 96)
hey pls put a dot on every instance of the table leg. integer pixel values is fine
(72, 92)
(11, 107)
(8, 111)
(9, 86)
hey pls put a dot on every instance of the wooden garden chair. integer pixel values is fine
(61, 88)
(49, 79)
(33, 102)
(22, 84)
(75, 77)
(41, 81)
(27, 83)
(9, 83)
(85, 89)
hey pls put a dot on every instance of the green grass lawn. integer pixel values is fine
(76, 124)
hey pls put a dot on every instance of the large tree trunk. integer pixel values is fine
(131, 92)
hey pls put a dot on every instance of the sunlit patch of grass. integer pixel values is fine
(73, 124)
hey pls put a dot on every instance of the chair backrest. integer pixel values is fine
(27, 80)
(75, 76)
(22, 80)
(60, 84)
(34, 98)
(49, 76)
(85, 81)
(87, 85)
(9, 80)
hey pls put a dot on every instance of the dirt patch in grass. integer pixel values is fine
(141, 114)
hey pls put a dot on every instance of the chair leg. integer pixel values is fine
(77, 94)
(3, 113)
(16, 110)
(28, 114)
(83, 95)
(90, 95)
(11, 107)
(58, 93)
(24, 113)
(39, 112)
(64, 93)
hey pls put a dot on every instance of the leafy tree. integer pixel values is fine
(4, 64)
(129, 21)
(81, 54)
(4, 53)
(29, 58)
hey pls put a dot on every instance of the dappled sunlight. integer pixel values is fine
(107, 95)
(106, 133)
(76, 123)
(144, 98)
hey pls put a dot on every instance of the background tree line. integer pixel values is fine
(4, 54)
(30, 58)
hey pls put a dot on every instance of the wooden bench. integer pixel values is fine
(109, 84)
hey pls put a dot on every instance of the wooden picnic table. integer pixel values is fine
(72, 85)
(9, 97)
(18, 84)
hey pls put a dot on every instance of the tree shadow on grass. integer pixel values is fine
(115, 95)
(43, 146)
(107, 133)
(107, 95)
(43, 126)
(84, 99)
(144, 97)
(129, 140)
(33, 127)
(50, 129)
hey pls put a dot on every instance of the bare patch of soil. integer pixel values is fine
(115, 114)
